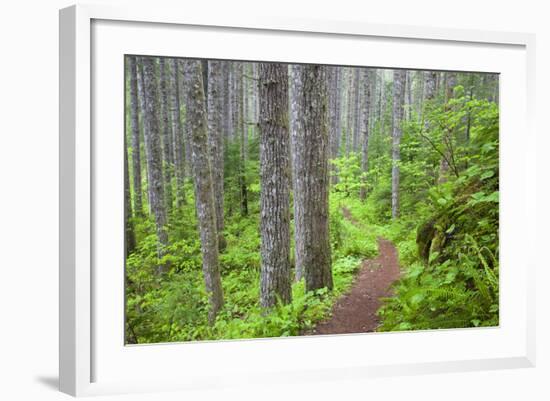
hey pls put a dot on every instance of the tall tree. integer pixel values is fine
(177, 133)
(130, 235)
(349, 110)
(397, 118)
(134, 123)
(368, 82)
(197, 136)
(216, 140)
(243, 139)
(335, 115)
(383, 101)
(153, 152)
(275, 280)
(358, 93)
(167, 152)
(227, 92)
(295, 87)
(311, 172)
(409, 95)
(142, 109)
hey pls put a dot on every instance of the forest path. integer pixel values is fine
(355, 312)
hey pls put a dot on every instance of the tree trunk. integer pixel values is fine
(275, 281)
(409, 95)
(383, 101)
(357, 86)
(153, 153)
(311, 172)
(297, 182)
(134, 123)
(166, 136)
(398, 103)
(243, 139)
(182, 93)
(202, 177)
(335, 116)
(430, 85)
(227, 90)
(178, 141)
(349, 110)
(142, 111)
(129, 225)
(365, 117)
(215, 140)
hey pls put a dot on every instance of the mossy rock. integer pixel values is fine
(424, 237)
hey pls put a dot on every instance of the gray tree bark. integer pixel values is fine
(136, 146)
(215, 140)
(430, 85)
(243, 139)
(166, 136)
(297, 180)
(275, 279)
(202, 177)
(368, 82)
(129, 226)
(311, 172)
(177, 133)
(398, 103)
(153, 153)
(142, 110)
(383, 101)
(227, 121)
(335, 115)
(349, 110)
(358, 95)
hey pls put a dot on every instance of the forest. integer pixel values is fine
(271, 199)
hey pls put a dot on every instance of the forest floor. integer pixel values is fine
(355, 312)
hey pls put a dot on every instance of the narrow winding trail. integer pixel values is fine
(355, 312)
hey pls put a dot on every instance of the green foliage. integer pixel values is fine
(175, 307)
(446, 235)
(456, 284)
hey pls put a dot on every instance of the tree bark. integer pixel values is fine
(166, 136)
(202, 177)
(275, 280)
(154, 153)
(215, 141)
(242, 129)
(297, 181)
(129, 225)
(357, 89)
(178, 141)
(142, 110)
(349, 110)
(134, 123)
(335, 116)
(311, 172)
(365, 117)
(430, 85)
(398, 103)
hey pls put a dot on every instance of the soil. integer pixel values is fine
(355, 312)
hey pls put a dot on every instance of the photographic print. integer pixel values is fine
(267, 199)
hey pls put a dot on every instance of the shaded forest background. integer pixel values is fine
(255, 190)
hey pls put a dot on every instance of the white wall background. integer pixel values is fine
(29, 200)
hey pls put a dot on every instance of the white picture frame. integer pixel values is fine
(81, 345)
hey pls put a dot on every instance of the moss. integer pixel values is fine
(424, 238)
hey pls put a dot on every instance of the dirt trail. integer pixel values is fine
(355, 312)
